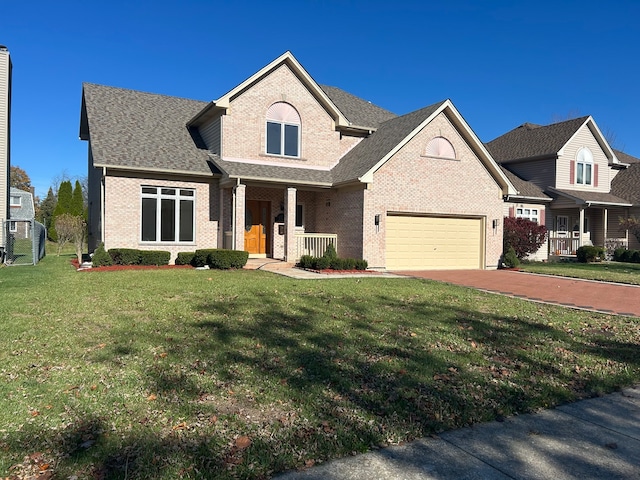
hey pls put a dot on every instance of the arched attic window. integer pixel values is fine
(584, 167)
(283, 130)
(440, 147)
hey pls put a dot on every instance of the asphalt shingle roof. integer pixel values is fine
(272, 173)
(364, 156)
(358, 111)
(142, 130)
(530, 140)
(593, 197)
(525, 188)
(625, 157)
(626, 184)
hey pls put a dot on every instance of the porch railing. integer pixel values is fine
(314, 244)
(563, 245)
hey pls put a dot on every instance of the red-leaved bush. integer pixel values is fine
(525, 236)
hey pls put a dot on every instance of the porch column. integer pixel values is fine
(290, 225)
(581, 227)
(220, 243)
(238, 216)
(605, 216)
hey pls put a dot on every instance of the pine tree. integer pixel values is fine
(77, 201)
(44, 211)
(64, 205)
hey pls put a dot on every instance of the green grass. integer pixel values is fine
(243, 374)
(606, 271)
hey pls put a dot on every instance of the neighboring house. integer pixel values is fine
(565, 174)
(280, 166)
(626, 184)
(21, 214)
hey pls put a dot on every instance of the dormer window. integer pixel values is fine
(16, 201)
(283, 130)
(584, 167)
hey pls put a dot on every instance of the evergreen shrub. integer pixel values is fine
(101, 258)
(185, 258)
(590, 253)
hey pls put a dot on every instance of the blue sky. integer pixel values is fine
(502, 63)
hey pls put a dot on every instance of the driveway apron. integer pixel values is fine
(584, 294)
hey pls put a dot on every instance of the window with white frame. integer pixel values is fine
(283, 130)
(168, 214)
(584, 167)
(532, 214)
(13, 227)
(15, 201)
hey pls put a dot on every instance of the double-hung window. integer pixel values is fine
(15, 201)
(584, 167)
(168, 214)
(283, 130)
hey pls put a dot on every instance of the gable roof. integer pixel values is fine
(141, 131)
(361, 162)
(534, 141)
(625, 157)
(526, 190)
(356, 110)
(626, 184)
(26, 210)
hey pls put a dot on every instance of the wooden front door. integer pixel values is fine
(256, 227)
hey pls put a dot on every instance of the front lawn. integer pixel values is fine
(243, 374)
(606, 271)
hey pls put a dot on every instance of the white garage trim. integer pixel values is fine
(434, 242)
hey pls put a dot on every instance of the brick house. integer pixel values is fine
(280, 166)
(570, 180)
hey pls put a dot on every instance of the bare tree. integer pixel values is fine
(70, 228)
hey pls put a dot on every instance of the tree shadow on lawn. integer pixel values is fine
(332, 375)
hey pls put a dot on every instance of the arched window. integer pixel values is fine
(584, 166)
(440, 147)
(283, 130)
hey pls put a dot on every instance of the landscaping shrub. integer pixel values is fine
(200, 257)
(154, 257)
(361, 264)
(635, 257)
(510, 259)
(627, 256)
(589, 253)
(100, 257)
(306, 261)
(322, 263)
(330, 252)
(220, 258)
(618, 254)
(125, 256)
(525, 236)
(185, 258)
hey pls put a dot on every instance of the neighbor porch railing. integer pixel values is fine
(314, 244)
(563, 245)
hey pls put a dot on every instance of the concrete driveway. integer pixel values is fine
(602, 297)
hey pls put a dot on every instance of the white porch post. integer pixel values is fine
(238, 216)
(581, 227)
(605, 216)
(290, 225)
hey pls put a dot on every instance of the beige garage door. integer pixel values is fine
(415, 243)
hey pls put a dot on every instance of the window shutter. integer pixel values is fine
(595, 175)
(572, 172)
(541, 213)
(512, 212)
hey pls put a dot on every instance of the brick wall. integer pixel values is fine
(123, 214)
(411, 182)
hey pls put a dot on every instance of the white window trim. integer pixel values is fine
(582, 162)
(177, 197)
(282, 124)
(13, 226)
(534, 217)
(14, 204)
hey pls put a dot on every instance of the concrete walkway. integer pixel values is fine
(569, 292)
(597, 438)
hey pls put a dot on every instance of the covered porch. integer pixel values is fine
(586, 218)
(276, 221)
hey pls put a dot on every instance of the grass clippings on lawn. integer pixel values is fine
(243, 374)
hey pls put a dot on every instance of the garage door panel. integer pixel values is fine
(422, 242)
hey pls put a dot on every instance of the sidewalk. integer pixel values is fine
(597, 438)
